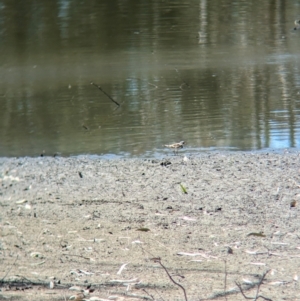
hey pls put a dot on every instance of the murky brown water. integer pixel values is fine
(217, 74)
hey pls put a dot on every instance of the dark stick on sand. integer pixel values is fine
(105, 93)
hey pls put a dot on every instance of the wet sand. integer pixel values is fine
(212, 220)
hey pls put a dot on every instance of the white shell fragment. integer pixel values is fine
(27, 206)
(257, 263)
(10, 178)
(277, 283)
(121, 268)
(136, 242)
(251, 252)
(187, 218)
(75, 288)
(21, 201)
(189, 254)
(247, 281)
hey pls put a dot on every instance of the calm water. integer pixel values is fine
(217, 74)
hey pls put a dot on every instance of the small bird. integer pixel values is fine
(176, 146)
(297, 23)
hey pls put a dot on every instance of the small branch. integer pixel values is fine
(1, 281)
(105, 93)
(265, 298)
(257, 291)
(155, 87)
(241, 290)
(149, 294)
(258, 286)
(159, 295)
(176, 283)
(225, 279)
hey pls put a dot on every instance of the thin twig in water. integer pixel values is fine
(176, 283)
(160, 296)
(105, 93)
(155, 87)
(149, 294)
(241, 290)
(257, 290)
(258, 287)
(1, 281)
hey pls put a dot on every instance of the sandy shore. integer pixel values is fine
(213, 220)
